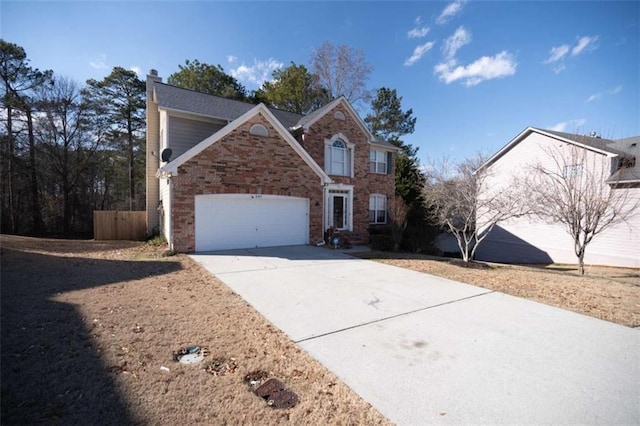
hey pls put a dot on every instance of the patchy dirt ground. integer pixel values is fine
(88, 330)
(611, 294)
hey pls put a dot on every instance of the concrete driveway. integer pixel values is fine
(426, 350)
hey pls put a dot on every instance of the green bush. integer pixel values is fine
(382, 242)
(379, 230)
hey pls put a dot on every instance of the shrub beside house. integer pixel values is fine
(225, 174)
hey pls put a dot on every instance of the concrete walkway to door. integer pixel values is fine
(426, 350)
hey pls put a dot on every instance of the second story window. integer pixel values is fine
(338, 157)
(378, 162)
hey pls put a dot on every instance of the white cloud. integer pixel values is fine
(564, 125)
(584, 43)
(599, 95)
(557, 53)
(450, 11)
(137, 70)
(418, 20)
(231, 59)
(418, 52)
(100, 62)
(559, 68)
(418, 32)
(452, 44)
(486, 68)
(258, 73)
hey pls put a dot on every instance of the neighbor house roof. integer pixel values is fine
(598, 143)
(631, 147)
(628, 147)
(177, 98)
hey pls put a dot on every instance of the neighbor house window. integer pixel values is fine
(377, 208)
(378, 162)
(572, 170)
(338, 157)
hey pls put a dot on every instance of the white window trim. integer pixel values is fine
(328, 143)
(327, 213)
(259, 130)
(571, 171)
(386, 214)
(384, 156)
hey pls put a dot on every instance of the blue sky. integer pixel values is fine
(475, 73)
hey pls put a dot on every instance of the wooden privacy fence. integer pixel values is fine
(119, 225)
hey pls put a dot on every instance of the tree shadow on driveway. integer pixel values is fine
(51, 370)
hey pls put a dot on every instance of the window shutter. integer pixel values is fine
(389, 163)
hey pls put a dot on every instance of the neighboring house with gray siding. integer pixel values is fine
(530, 240)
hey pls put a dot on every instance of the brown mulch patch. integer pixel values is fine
(611, 294)
(89, 330)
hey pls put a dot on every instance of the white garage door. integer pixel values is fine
(232, 221)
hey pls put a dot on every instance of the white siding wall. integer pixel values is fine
(165, 216)
(529, 240)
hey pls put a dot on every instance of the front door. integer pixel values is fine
(339, 211)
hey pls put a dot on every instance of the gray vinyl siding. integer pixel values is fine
(185, 133)
(531, 240)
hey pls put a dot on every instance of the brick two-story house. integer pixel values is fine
(225, 174)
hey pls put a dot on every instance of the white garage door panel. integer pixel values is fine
(231, 221)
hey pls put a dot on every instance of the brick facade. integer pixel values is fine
(364, 182)
(246, 164)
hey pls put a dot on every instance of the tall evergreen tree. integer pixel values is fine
(388, 121)
(120, 100)
(292, 89)
(19, 81)
(205, 78)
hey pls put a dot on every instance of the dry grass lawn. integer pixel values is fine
(87, 328)
(611, 294)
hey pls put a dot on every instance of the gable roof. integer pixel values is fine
(611, 148)
(171, 168)
(600, 144)
(179, 99)
(194, 102)
(309, 119)
(591, 143)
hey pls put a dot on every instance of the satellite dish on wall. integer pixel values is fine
(166, 154)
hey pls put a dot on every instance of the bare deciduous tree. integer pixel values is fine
(458, 199)
(342, 71)
(576, 190)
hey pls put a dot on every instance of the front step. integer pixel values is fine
(355, 238)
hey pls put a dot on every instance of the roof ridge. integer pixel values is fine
(226, 98)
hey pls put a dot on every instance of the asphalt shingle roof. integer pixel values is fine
(607, 145)
(623, 148)
(187, 100)
(177, 98)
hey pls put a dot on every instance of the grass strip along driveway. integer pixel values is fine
(89, 329)
(88, 334)
(611, 294)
